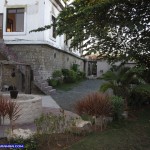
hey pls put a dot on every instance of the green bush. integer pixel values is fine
(57, 74)
(87, 117)
(70, 76)
(29, 144)
(118, 107)
(136, 100)
(74, 67)
(65, 72)
(140, 95)
(80, 75)
(52, 82)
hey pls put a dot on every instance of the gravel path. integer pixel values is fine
(66, 99)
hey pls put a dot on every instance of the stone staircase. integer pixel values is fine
(38, 80)
(42, 84)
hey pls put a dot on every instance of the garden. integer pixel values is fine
(65, 79)
(118, 115)
(115, 117)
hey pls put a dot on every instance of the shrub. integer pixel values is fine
(118, 107)
(57, 74)
(74, 67)
(10, 109)
(65, 72)
(49, 126)
(95, 104)
(50, 123)
(81, 75)
(140, 95)
(3, 107)
(70, 76)
(29, 144)
(13, 112)
(88, 118)
(52, 82)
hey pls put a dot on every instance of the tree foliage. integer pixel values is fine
(117, 29)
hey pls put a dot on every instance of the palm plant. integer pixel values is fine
(123, 81)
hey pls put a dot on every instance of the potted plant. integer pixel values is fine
(13, 92)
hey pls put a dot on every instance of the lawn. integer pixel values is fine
(133, 134)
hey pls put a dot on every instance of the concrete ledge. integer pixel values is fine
(31, 108)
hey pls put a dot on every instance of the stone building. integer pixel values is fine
(43, 51)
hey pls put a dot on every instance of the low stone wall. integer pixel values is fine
(30, 108)
(46, 59)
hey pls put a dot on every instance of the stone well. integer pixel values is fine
(31, 108)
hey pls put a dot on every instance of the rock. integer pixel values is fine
(125, 114)
(83, 125)
(103, 120)
(22, 133)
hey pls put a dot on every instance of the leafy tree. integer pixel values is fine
(117, 29)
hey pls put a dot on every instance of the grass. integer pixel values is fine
(68, 86)
(133, 134)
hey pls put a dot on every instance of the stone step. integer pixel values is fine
(44, 84)
(52, 90)
(37, 77)
(47, 88)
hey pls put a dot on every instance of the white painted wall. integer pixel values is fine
(1, 6)
(102, 67)
(38, 13)
(33, 19)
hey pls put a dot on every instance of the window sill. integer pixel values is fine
(14, 33)
(53, 39)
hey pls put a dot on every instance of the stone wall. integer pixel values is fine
(5, 76)
(45, 59)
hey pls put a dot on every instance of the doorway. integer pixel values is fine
(1, 26)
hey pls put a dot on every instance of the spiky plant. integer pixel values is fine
(122, 81)
(95, 104)
(3, 107)
(13, 111)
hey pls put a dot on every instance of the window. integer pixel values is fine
(1, 26)
(15, 20)
(66, 40)
(54, 27)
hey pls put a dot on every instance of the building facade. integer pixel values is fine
(19, 17)
(44, 51)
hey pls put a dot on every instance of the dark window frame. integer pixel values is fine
(54, 34)
(10, 21)
(2, 24)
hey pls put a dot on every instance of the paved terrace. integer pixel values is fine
(61, 99)
(66, 99)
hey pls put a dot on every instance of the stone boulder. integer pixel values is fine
(22, 133)
(81, 127)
